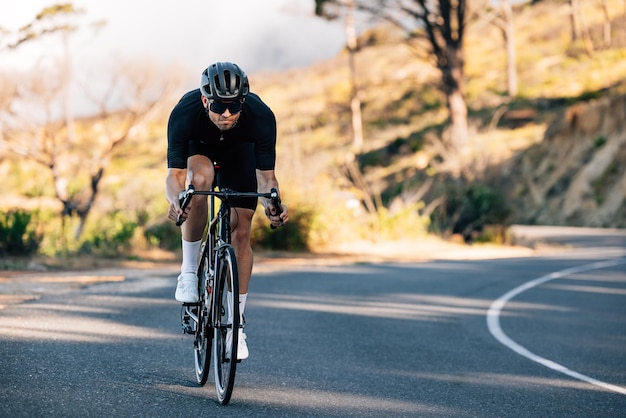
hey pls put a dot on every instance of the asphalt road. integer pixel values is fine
(540, 336)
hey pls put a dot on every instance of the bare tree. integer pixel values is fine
(55, 19)
(574, 19)
(351, 38)
(441, 23)
(578, 26)
(606, 27)
(504, 20)
(76, 165)
(124, 100)
(355, 99)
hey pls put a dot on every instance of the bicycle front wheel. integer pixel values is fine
(204, 333)
(226, 331)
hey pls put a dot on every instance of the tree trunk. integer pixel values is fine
(355, 101)
(579, 29)
(67, 89)
(459, 132)
(85, 209)
(508, 31)
(607, 23)
(454, 89)
(446, 39)
(573, 15)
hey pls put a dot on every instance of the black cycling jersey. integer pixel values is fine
(190, 131)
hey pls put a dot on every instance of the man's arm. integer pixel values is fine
(174, 184)
(266, 180)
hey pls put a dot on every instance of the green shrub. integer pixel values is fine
(164, 234)
(294, 236)
(111, 236)
(402, 223)
(467, 210)
(17, 237)
(599, 142)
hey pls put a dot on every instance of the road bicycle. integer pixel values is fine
(218, 290)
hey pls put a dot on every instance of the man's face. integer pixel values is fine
(223, 114)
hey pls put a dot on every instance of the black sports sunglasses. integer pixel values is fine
(220, 107)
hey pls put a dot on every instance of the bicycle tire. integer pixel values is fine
(224, 360)
(204, 334)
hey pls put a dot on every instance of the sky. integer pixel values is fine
(256, 34)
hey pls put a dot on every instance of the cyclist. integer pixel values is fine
(221, 122)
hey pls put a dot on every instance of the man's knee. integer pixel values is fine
(200, 172)
(242, 223)
(201, 181)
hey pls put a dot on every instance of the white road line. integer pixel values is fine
(493, 322)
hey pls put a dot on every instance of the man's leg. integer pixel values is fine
(200, 173)
(241, 222)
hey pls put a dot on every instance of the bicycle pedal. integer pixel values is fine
(188, 326)
(188, 329)
(187, 323)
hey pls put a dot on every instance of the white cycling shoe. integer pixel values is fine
(187, 288)
(242, 347)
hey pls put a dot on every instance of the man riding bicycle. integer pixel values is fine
(221, 122)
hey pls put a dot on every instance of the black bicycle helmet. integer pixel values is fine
(224, 81)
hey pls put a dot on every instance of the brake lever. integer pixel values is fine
(277, 204)
(184, 200)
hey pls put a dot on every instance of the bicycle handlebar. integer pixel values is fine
(185, 198)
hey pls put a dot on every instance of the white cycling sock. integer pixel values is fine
(190, 256)
(242, 306)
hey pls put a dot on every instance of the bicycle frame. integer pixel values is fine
(217, 274)
(218, 233)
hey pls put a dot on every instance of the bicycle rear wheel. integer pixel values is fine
(225, 352)
(204, 334)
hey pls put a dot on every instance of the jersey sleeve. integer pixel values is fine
(178, 137)
(265, 141)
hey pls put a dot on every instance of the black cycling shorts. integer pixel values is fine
(237, 168)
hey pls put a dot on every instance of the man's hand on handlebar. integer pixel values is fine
(174, 211)
(179, 210)
(277, 218)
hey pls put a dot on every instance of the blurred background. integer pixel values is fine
(451, 122)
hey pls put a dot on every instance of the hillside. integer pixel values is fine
(554, 154)
(577, 175)
(556, 151)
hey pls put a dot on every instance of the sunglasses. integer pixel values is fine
(220, 107)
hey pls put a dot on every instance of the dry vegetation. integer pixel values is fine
(404, 114)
